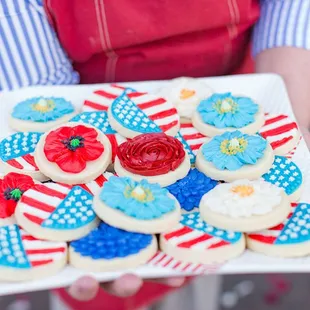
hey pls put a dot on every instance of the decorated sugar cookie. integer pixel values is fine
(144, 113)
(195, 241)
(12, 187)
(94, 186)
(189, 190)
(186, 93)
(73, 153)
(107, 248)
(157, 158)
(291, 238)
(16, 154)
(101, 99)
(245, 205)
(233, 156)
(40, 114)
(226, 112)
(99, 119)
(25, 258)
(54, 211)
(281, 132)
(285, 174)
(136, 206)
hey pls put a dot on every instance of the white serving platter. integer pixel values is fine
(267, 89)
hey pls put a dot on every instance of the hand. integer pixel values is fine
(86, 288)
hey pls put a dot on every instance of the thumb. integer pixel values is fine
(84, 289)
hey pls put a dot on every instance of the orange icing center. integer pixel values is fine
(243, 190)
(187, 93)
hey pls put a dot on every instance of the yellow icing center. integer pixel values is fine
(225, 106)
(243, 190)
(44, 106)
(139, 193)
(187, 93)
(233, 146)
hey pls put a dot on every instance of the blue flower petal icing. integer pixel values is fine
(226, 110)
(189, 190)
(54, 108)
(141, 200)
(107, 242)
(233, 150)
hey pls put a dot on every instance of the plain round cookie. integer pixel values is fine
(93, 168)
(163, 179)
(195, 241)
(243, 224)
(250, 172)
(211, 131)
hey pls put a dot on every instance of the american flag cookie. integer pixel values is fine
(40, 114)
(57, 212)
(99, 119)
(227, 112)
(245, 205)
(16, 154)
(291, 238)
(12, 187)
(73, 153)
(101, 99)
(285, 174)
(186, 93)
(195, 241)
(133, 115)
(23, 257)
(107, 248)
(281, 132)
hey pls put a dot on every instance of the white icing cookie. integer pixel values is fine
(133, 115)
(186, 93)
(40, 114)
(73, 153)
(195, 241)
(291, 238)
(25, 258)
(245, 205)
(57, 212)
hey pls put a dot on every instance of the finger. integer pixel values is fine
(124, 286)
(173, 281)
(84, 289)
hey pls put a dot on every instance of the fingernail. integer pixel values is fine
(175, 282)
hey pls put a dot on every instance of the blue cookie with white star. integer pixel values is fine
(285, 174)
(107, 248)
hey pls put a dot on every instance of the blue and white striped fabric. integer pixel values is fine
(282, 23)
(30, 53)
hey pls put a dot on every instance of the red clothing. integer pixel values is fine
(127, 40)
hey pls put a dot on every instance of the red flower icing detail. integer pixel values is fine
(151, 154)
(72, 147)
(12, 187)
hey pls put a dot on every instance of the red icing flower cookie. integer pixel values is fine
(73, 153)
(156, 157)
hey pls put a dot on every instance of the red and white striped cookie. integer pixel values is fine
(194, 241)
(281, 132)
(138, 113)
(23, 257)
(101, 99)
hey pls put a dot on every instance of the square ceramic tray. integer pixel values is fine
(268, 90)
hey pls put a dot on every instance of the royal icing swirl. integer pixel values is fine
(243, 198)
(151, 154)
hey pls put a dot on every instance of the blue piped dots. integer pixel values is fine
(189, 190)
(107, 242)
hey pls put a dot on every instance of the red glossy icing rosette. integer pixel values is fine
(156, 157)
(73, 153)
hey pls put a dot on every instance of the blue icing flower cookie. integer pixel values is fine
(195, 241)
(23, 257)
(55, 211)
(16, 154)
(234, 155)
(222, 112)
(139, 113)
(189, 190)
(107, 248)
(285, 174)
(41, 113)
(291, 238)
(136, 206)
